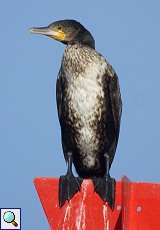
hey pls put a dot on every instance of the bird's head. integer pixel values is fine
(67, 32)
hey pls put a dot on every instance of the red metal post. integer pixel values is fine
(137, 207)
(140, 205)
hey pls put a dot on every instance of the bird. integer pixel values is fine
(89, 109)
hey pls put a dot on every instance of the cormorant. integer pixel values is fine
(89, 110)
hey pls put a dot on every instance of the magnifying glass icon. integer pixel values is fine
(9, 217)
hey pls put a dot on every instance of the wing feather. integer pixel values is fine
(116, 101)
(59, 98)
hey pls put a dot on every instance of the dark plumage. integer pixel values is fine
(89, 108)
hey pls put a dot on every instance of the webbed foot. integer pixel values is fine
(105, 186)
(68, 184)
(106, 189)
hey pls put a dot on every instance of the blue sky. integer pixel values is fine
(127, 34)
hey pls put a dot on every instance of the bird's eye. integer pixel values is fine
(59, 28)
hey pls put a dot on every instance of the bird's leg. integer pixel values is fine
(105, 186)
(68, 184)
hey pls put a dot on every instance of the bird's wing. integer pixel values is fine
(61, 115)
(59, 97)
(115, 98)
(59, 94)
(115, 101)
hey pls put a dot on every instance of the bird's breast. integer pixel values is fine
(85, 105)
(85, 94)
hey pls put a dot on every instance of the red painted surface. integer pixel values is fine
(137, 207)
(141, 206)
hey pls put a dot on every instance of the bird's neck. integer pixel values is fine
(76, 57)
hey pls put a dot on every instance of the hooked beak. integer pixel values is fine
(57, 35)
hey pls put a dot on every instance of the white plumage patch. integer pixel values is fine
(85, 95)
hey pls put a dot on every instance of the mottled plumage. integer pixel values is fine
(89, 108)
